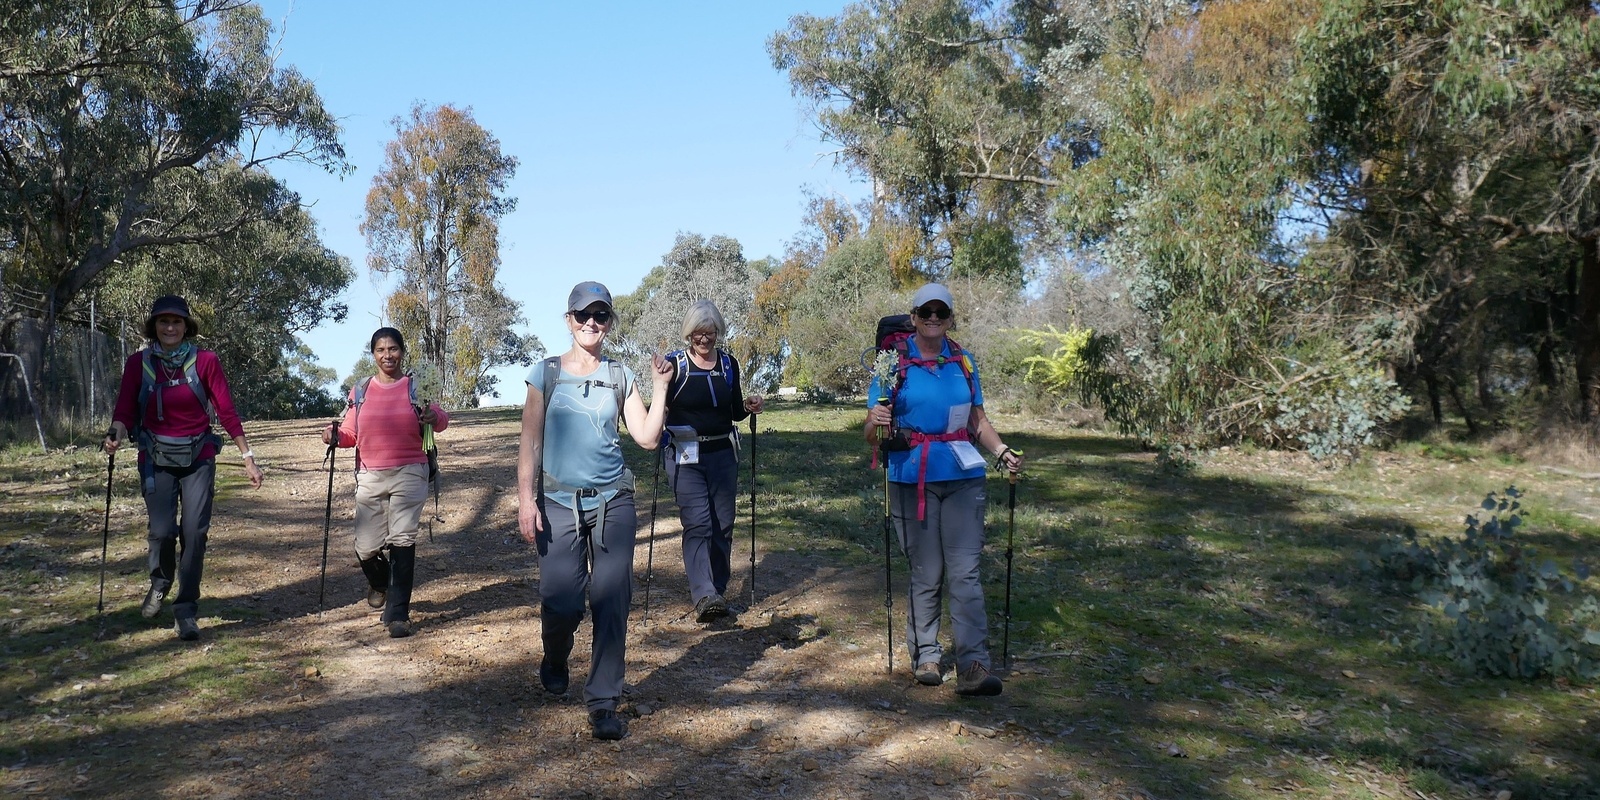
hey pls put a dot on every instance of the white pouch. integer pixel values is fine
(685, 444)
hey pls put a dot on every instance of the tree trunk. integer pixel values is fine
(1434, 401)
(1587, 340)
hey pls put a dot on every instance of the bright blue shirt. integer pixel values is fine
(581, 443)
(923, 404)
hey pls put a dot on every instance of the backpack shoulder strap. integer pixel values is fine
(191, 374)
(680, 371)
(547, 380)
(619, 381)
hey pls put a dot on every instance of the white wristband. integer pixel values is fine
(249, 455)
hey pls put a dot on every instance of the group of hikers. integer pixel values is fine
(575, 494)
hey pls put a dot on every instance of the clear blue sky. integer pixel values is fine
(632, 121)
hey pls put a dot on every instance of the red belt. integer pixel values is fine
(919, 439)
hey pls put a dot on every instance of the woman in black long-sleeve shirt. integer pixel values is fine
(703, 404)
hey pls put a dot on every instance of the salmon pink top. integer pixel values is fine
(384, 427)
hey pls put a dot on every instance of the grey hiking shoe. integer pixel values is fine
(929, 674)
(377, 597)
(188, 629)
(977, 681)
(152, 602)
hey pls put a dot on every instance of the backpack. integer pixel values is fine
(552, 377)
(429, 446)
(149, 383)
(895, 332)
(680, 366)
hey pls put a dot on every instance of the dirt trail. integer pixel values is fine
(788, 699)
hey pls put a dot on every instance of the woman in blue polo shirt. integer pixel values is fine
(937, 491)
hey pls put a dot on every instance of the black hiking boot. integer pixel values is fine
(606, 725)
(188, 629)
(977, 681)
(710, 607)
(553, 674)
(397, 601)
(377, 571)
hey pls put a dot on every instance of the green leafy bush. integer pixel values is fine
(1502, 610)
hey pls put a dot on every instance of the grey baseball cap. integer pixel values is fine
(587, 294)
(930, 292)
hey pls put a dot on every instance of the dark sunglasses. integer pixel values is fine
(926, 312)
(599, 317)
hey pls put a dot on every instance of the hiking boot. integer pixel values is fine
(152, 602)
(377, 571)
(929, 674)
(977, 681)
(605, 724)
(188, 629)
(553, 674)
(399, 629)
(710, 607)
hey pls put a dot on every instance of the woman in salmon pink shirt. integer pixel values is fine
(169, 390)
(391, 476)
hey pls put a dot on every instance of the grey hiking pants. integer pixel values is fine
(706, 493)
(191, 487)
(566, 577)
(944, 548)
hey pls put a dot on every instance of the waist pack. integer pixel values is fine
(175, 452)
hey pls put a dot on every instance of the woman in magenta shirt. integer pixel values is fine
(385, 426)
(168, 392)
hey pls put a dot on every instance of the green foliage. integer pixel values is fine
(1506, 611)
(1062, 362)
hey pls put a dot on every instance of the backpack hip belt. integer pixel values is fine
(920, 439)
(624, 483)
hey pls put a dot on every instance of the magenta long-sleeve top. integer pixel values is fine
(385, 427)
(184, 416)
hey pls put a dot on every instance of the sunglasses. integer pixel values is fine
(926, 312)
(599, 317)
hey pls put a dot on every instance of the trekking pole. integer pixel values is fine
(327, 522)
(650, 547)
(888, 575)
(888, 580)
(1011, 535)
(105, 535)
(753, 510)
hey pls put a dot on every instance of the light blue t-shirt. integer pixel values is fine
(924, 404)
(581, 444)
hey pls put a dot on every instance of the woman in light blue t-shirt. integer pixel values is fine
(937, 491)
(575, 499)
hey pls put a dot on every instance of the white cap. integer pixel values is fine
(930, 292)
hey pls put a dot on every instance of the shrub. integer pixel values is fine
(1502, 610)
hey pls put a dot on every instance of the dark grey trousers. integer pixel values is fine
(944, 549)
(567, 579)
(706, 494)
(192, 488)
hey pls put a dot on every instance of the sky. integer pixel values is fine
(632, 122)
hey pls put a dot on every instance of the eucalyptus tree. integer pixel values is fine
(1466, 135)
(433, 220)
(938, 102)
(696, 268)
(130, 126)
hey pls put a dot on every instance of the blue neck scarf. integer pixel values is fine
(175, 357)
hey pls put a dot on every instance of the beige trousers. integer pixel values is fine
(389, 507)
